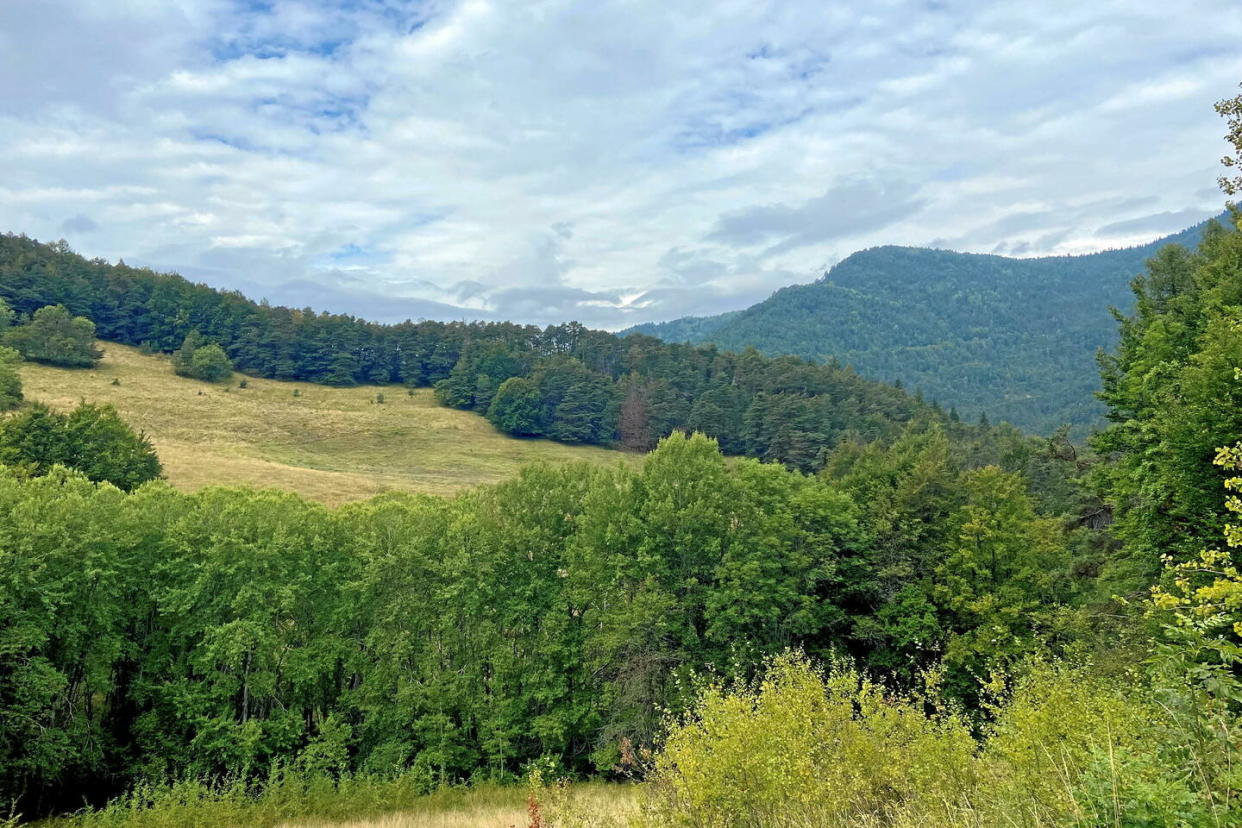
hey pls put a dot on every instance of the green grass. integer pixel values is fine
(330, 444)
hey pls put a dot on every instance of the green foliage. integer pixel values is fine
(202, 360)
(53, 335)
(516, 408)
(553, 616)
(92, 439)
(806, 748)
(586, 414)
(10, 379)
(1173, 400)
(211, 364)
(966, 329)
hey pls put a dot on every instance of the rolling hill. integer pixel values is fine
(329, 444)
(1014, 339)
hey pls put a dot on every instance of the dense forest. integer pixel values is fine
(1013, 339)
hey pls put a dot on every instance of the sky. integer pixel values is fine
(606, 162)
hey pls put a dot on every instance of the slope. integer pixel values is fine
(330, 444)
(1014, 339)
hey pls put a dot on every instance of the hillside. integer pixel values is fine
(565, 382)
(329, 444)
(1014, 339)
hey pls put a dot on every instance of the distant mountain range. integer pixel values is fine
(1012, 339)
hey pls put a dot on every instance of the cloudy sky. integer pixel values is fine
(612, 162)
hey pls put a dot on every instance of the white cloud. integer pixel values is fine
(612, 162)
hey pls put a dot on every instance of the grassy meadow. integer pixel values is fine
(330, 444)
(297, 802)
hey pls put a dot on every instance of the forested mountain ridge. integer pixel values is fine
(1014, 339)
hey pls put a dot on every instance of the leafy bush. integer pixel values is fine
(804, 747)
(809, 748)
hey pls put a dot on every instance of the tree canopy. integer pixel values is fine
(55, 336)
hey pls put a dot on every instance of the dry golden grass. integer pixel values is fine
(330, 444)
(581, 805)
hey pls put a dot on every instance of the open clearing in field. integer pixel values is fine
(330, 444)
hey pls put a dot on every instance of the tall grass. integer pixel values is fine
(315, 801)
(284, 799)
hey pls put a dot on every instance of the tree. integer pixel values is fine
(634, 421)
(1231, 110)
(57, 337)
(92, 439)
(183, 357)
(586, 414)
(516, 408)
(211, 364)
(10, 380)
(201, 359)
(6, 316)
(1001, 578)
(1173, 400)
(343, 371)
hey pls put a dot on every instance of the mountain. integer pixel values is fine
(1012, 339)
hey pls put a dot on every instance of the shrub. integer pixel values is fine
(803, 747)
(1052, 738)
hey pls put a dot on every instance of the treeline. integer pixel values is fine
(565, 382)
(154, 633)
